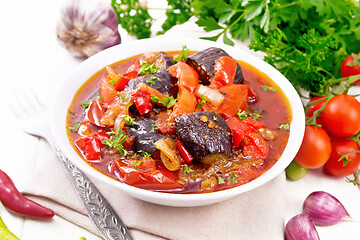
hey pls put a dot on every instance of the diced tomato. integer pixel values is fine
(94, 113)
(90, 146)
(142, 101)
(145, 88)
(108, 93)
(183, 151)
(154, 179)
(225, 69)
(186, 104)
(186, 75)
(235, 99)
(244, 134)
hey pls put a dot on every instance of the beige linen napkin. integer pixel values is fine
(257, 214)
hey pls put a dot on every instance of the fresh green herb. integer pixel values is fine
(255, 115)
(72, 114)
(112, 81)
(154, 127)
(74, 127)
(201, 103)
(135, 155)
(220, 180)
(267, 88)
(284, 126)
(242, 114)
(133, 17)
(187, 169)
(151, 80)
(117, 141)
(123, 97)
(144, 154)
(85, 105)
(99, 98)
(232, 177)
(182, 55)
(354, 181)
(146, 68)
(136, 163)
(168, 102)
(128, 120)
(215, 118)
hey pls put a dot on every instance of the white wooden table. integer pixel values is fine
(29, 50)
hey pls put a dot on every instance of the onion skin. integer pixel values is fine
(301, 227)
(324, 209)
(86, 27)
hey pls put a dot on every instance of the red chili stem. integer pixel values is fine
(16, 202)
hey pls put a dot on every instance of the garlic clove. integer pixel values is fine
(301, 227)
(324, 209)
(86, 27)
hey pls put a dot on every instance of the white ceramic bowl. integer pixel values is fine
(90, 66)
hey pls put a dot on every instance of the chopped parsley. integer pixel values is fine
(154, 127)
(242, 114)
(98, 98)
(123, 97)
(220, 180)
(128, 120)
(112, 82)
(255, 115)
(144, 154)
(152, 80)
(117, 141)
(267, 88)
(215, 118)
(232, 178)
(168, 102)
(136, 163)
(135, 155)
(146, 68)
(85, 105)
(72, 113)
(187, 169)
(182, 55)
(201, 103)
(74, 127)
(284, 126)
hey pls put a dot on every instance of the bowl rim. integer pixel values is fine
(64, 96)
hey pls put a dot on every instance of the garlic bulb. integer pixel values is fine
(86, 27)
(301, 227)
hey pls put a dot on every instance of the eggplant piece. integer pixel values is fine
(204, 133)
(163, 61)
(161, 81)
(203, 62)
(144, 138)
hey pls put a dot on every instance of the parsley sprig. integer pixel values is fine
(116, 141)
(167, 102)
(182, 55)
(146, 68)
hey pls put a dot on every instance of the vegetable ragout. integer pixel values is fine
(180, 122)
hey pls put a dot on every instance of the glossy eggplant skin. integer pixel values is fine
(144, 136)
(203, 62)
(204, 133)
(164, 82)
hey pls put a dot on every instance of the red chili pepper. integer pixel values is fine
(16, 202)
(183, 151)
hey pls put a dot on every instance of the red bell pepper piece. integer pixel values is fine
(94, 113)
(131, 73)
(154, 179)
(225, 69)
(183, 151)
(142, 101)
(90, 146)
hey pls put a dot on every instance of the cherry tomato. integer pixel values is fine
(342, 116)
(313, 107)
(341, 146)
(347, 70)
(315, 149)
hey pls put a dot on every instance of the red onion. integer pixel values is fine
(301, 227)
(324, 209)
(86, 27)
